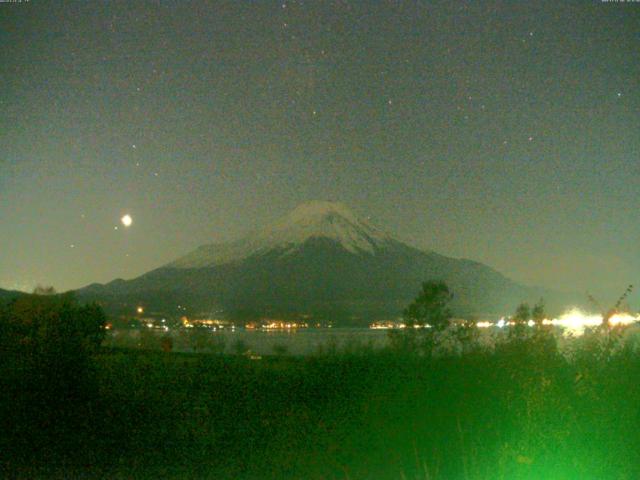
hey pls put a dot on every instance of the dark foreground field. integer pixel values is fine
(520, 411)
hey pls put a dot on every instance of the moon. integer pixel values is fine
(126, 220)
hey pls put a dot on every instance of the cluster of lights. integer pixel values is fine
(575, 321)
(164, 328)
(388, 325)
(212, 324)
(280, 325)
(572, 322)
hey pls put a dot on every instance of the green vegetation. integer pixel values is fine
(517, 410)
(48, 377)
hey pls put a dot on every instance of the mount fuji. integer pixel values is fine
(319, 262)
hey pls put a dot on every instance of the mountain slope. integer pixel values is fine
(8, 295)
(319, 261)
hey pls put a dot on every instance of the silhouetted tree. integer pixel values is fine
(467, 335)
(53, 325)
(538, 313)
(543, 339)
(430, 310)
(520, 320)
(42, 290)
(431, 307)
(47, 344)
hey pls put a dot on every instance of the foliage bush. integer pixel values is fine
(47, 375)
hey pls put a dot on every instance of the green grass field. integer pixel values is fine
(512, 413)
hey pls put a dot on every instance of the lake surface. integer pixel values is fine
(290, 342)
(294, 342)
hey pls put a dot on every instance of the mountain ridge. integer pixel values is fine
(319, 261)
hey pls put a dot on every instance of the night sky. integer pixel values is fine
(505, 132)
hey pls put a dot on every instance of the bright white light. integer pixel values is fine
(575, 321)
(126, 220)
(623, 319)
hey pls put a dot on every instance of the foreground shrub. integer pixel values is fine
(47, 374)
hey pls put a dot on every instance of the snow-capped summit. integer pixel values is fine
(316, 219)
(326, 219)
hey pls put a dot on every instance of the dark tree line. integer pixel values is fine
(48, 381)
(51, 327)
